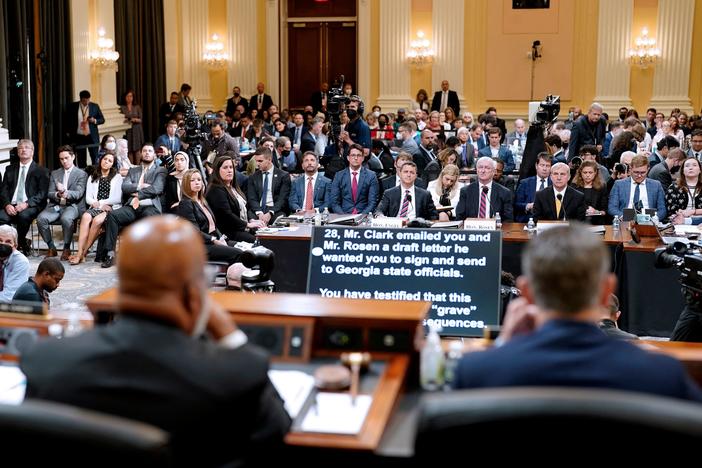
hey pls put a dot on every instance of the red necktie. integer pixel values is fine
(354, 189)
(483, 203)
(405, 205)
(309, 197)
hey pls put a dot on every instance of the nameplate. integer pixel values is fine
(383, 222)
(546, 225)
(643, 219)
(479, 224)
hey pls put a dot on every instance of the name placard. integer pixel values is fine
(385, 222)
(479, 224)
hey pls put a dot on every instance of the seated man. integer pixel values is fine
(483, 198)
(390, 182)
(142, 188)
(354, 190)
(526, 191)
(497, 150)
(23, 193)
(637, 191)
(47, 278)
(213, 395)
(169, 140)
(407, 200)
(550, 334)
(608, 321)
(560, 201)
(268, 189)
(66, 202)
(14, 266)
(310, 192)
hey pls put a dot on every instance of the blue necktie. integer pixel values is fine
(637, 195)
(465, 157)
(264, 194)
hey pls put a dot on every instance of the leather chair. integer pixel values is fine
(61, 435)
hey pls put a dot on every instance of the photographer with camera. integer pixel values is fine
(221, 142)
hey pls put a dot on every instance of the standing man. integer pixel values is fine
(560, 201)
(589, 129)
(168, 111)
(526, 191)
(518, 137)
(23, 193)
(47, 278)
(483, 198)
(310, 192)
(319, 99)
(637, 191)
(446, 98)
(235, 100)
(66, 202)
(354, 190)
(356, 131)
(268, 189)
(663, 171)
(83, 133)
(260, 101)
(406, 200)
(14, 266)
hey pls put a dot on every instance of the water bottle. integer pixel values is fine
(498, 220)
(531, 226)
(431, 362)
(616, 221)
(74, 326)
(317, 219)
(454, 355)
(325, 215)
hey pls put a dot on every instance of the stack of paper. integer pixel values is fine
(293, 387)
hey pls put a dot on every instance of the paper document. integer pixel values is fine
(334, 413)
(293, 387)
(682, 229)
(12, 385)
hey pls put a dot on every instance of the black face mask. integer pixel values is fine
(352, 113)
(236, 94)
(622, 116)
(400, 118)
(285, 153)
(382, 123)
(5, 251)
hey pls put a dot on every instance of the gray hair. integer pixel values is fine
(7, 230)
(597, 106)
(488, 159)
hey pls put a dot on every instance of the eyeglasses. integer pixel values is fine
(355, 155)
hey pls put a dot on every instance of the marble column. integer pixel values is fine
(447, 26)
(241, 19)
(672, 71)
(273, 51)
(171, 37)
(194, 26)
(394, 70)
(363, 27)
(613, 69)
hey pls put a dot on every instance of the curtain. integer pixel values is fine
(140, 41)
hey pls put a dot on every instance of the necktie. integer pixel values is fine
(2, 275)
(482, 212)
(637, 195)
(297, 135)
(444, 101)
(264, 193)
(172, 144)
(354, 186)
(543, 184)
(260, 101)
(465, 157)
(697, 156)
(20, 185)
(559, 202)
(66, 175)
(405, 205)
(309, 197)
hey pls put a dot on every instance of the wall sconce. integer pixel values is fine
(420, 52)
(215, 57)
(105, 57)
(645, 52)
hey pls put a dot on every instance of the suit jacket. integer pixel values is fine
(231, 105)
(504, 153)
(423, 205)
(322, 192)
(36, 185)
(156, 177)
(226, 210)
(661, 173)
(467, 157)
(280, 189)
(526, 192)
(307, 142)
(71, 119)
(267, 102)
(585, 134)
(452, 102)
(572, 207)
(621, 192)
(500, 202)
(165, 114)
(219, 394)
(164, 140)
(421, 159)
(190, 210)
(367, 196)
(75, 189)
(410, 146)
(391, 181)
(549, 356)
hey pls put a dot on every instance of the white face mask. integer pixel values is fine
(110, 145)
(376, 114)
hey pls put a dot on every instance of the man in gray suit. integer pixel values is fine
(65, 202)
(405, 133)
(142, 189)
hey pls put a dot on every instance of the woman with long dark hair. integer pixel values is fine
(684, 197)
(133, 116)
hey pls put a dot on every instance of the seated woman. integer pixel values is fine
(683, 199)
(171, 191)
(103, 193)
(228, 202)
(194, 208)
(445, 157)
(446, 190)
(589, 181)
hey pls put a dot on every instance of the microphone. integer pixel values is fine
(638, 206)
(485, 189)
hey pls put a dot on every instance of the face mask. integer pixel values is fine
(622, 116)
(236, 94)
(352, 113)
(376, 114)
(285, 153)
(382, 123)
(110, 145)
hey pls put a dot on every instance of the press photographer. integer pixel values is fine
(545, 116)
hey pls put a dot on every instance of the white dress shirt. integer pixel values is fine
(643, 195)
(19, 173)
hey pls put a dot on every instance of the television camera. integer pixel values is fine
(548, 110)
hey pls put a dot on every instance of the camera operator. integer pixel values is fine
(621, 169)
(357, 130)
(688, 260)
(221, 142)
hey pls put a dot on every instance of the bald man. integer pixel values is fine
(213, 395)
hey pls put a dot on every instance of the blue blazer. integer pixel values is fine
(322, 191)
(367, 198)
(504, 154)
(621, 192)
(164, 141)
(576, 354)
(526, 193)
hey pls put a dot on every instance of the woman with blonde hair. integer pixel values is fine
(446, 190)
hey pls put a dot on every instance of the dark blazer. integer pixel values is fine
(156, 177)
(661, 173)
(423, 205)
(170, 194)
(504, 153)
(431, 171)
(452, 102)
(71, 120)
(190, 210)
(549, 356)
(322, 192)
(307, 142)
(231, 105)
(36, 185)
(280, 190)
(422, 159)
(391, 181)
(164, 140)
(267, 102)
(572, 207)
(226, 210)
(467, 157)
(583, 133)
(526, 192)
(219, 394)
(341, 198)
(316, 101)
(165, 114)
(500, 202)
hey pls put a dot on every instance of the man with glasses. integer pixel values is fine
(637, 191)
(354, 190)
(695, 150)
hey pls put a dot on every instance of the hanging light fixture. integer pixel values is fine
(104, 57)
(215, 57)
(420, 52)
(645, 52)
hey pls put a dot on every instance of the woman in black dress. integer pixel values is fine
(588, 181)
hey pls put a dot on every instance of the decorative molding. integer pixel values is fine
(363, 33)
(82, 28)
(194, 24)
(394, 71)
(447, 26)
(241, 20)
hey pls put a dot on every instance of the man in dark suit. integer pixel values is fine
(153, 362)
(141, 189)
(168, 111)
(407, 200)
(311, 191)
(426, 154)
(527, 188)
(82, 118)
(66, 202)
(268, 189)
(446, 98)
(314, 140)
(394, 180)
(560, 201)
(497, 150)
(589, 129)
(550, 334)
(23, 193)
(354, 190)
(483, 198)
(319, 99)
(663, 171)
(260, 101)
(235, 100)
